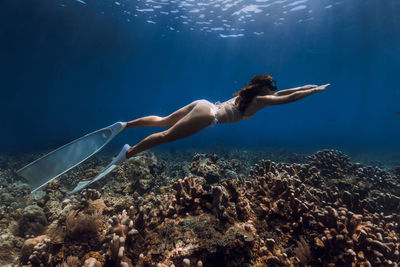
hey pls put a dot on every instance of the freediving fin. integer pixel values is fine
(57, 162)
(121, 157)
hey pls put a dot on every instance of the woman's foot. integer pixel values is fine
(121, 157)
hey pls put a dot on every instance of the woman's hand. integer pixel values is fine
(320, 88)
(268, 100)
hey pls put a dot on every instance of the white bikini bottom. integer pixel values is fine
(230, 111)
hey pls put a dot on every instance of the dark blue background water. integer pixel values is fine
(66, 71)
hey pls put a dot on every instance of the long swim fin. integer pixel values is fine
(109, 168)
(43, 170)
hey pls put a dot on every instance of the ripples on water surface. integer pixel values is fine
(225, 18)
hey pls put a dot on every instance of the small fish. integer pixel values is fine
(397, 112)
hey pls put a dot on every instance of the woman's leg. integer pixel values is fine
(156, 121)
(198, 118)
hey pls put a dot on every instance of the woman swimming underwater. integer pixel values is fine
(259, 93)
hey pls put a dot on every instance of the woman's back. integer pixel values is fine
(228, 111)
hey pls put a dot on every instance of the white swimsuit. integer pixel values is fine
(230, 110)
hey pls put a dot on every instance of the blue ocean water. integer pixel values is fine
(71, 67)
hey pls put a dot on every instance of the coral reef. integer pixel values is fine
(323, 210)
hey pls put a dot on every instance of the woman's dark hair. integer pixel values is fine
(254, 88)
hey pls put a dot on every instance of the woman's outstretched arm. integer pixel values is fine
(268, 100)
(295, 89)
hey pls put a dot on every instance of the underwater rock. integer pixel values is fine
(92, 262)
(379, 177)
(29, 245)
(86, 170)
(205, 165)
(89, 194)
(33, 221)
(72, 261)
(214, 169)
(8, 243)
(396, 171)
(41, 254)
(54, 191)
(139, 174)
(330, 162)
(6, 198)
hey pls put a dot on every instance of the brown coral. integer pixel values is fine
(82, 227)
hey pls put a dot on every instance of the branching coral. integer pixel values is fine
(188, 194)
(116, 252)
